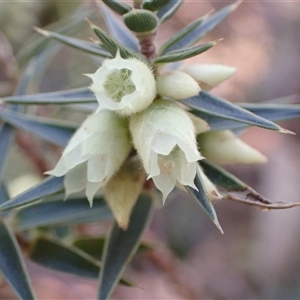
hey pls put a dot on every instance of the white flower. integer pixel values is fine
(164, 138)
(224, 148)
(209, 75)
(124, 85)
(177, 85)
(93, 155)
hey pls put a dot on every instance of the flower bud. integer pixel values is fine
(209, 75)
(141, 21)
(126, 86)
(223, 147)
(199, 124)
(176, 85)
(164, 138)
(95, 152)
(123, 190)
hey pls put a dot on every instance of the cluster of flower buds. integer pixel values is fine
(136, 109)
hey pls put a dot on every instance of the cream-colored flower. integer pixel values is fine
(93, 155)
(224, 148)
(208, 75)
(164, 137)
(177, 85)
(126, 86)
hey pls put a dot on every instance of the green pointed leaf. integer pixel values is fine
(112, 45)
(88, 47)
(118, 6)
(59, 257)
(121, 246)
(221, 177)
(12, 264)
(201, 197)
(48, 186)
(42, 128)
(169, 10)
(274, 112)
(184, 53)
(118, 30)
(199, 32)
(80, 95)
(60, 212)
(211, 105)
(155, 5)
(180, 35)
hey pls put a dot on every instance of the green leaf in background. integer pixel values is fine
(214, 106)
(200, 31)
(112, 45)
(55, 133)
(221, 177)
(180, 35)
(48, 186)
(168, 10)
(118, 30)
(60, 212)
(118, 6)
(184, 53)
(3, 193)
(12, 264)
(88, 47)
(154, 5)
(56, 256)
(202, 199)
(121, 246)
(80, 95)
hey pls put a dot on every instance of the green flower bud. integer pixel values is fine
(142, 22)
(223, 148)
(176, 85)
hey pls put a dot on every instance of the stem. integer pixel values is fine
(148, 47)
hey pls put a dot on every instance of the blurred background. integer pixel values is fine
(258, 257)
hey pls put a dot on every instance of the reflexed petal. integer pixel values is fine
(75, 179)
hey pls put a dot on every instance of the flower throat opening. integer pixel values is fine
(119, 84)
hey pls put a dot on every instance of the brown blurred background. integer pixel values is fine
(258, 257)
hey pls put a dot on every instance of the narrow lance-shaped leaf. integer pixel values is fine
(202, 199)
(80, 95)
(181, 34)
(112, 45)
(168, 10)
(53, 133)
(199, 32)
(217, 107)
(12, 264)
(121, 246)
(88, 47)
(118, 29)
(48, 186)
(59, 212)
(118, 6)
(184, 53)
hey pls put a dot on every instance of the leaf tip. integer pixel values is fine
(41, 31)
(282, 130)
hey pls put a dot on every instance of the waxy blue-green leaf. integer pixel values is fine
(118, 6)
(80, 95)
(121, 246)
(218, 107)
(183, 53)
(206, 26)
(48, 186)
(55, 133)
(221, 177)
(118, 30)
(180, 35)
(201, 197)
(12, 265)
(70, 25)
(112, 45)
(60, 212)
(54, 255)
(168, 10)
(88, 47)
